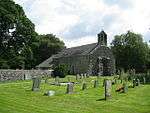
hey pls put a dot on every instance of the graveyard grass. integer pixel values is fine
(17, 97)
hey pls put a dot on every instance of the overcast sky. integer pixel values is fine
(77, 22)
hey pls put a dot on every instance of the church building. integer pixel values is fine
(92, 59)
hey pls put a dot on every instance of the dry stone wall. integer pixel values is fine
(12, 75)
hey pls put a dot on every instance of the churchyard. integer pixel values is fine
(75, 94)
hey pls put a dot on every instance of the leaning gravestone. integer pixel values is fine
(84, 86)
(36, 83)
(107, 89)
(125, 88)
(70, 88)
(95, 83)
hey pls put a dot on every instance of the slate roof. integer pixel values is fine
(79, 50)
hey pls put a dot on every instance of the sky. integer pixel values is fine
(77, 22)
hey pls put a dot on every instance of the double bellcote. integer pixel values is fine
(102, 38)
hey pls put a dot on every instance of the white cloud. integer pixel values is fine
(78, 21)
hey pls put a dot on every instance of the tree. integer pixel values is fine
(17, 33)
(20, 46)
(47, 45)
(130, 52)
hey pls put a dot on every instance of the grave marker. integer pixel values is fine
(125, 88)
(70, 88)
(137, 82)
(144, 80)
(36, 83)
(107, 89)
(57, 80)
(84, 86)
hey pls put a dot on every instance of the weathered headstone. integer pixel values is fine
(77, 77)
(95, 83)
(125, 88)
(84, 75)
(36, 83)
(108, 89)
(70, 88)
(57, 80)
(84, 86)
(81, 76)
(144, 80)
(137, 82)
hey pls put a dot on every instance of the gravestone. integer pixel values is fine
(81, 76)
(144, 80)
(137, 82)
(84, 86)
(84, 75)
(134, 83)
(125, 88)
(95, 83)
(57, 80)
(108, 89)
(77, 77)
(70, 88)
(36, 83)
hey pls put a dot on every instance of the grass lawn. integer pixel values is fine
(17, 97)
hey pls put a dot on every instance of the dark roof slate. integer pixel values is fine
(68, 52)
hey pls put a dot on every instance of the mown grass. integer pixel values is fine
(17, 97)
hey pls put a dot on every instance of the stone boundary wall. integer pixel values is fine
(12, 75)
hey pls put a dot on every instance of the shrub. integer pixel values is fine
(60, 70)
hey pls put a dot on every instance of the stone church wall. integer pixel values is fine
(104, 52)
(12, 75)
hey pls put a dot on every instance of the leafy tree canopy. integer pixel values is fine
(131, 52)
(20, 46)
(47, 45)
